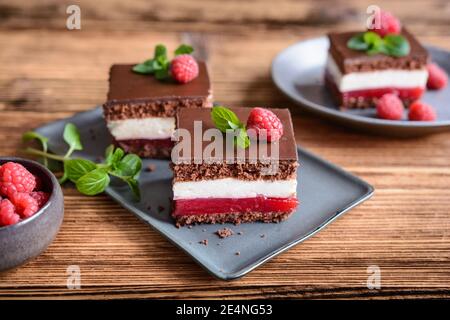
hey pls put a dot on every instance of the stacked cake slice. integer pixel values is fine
(214, 190)
(140, 110)
(357, 79)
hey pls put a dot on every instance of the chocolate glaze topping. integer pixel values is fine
(126, 85)
(133, 95)
(349, 60)
(287, 144)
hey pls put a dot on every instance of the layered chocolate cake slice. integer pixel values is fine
(246, 187)
(140, 109)
(393, 64)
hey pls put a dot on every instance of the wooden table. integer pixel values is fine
(48, 72)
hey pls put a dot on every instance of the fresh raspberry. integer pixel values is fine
(25, 204)
(184, 68)
(388, 23)
(15, 178)
(41, 197)
(264, 119)
(437, 77)
(419, 111)
(8, 215)
(390, 107)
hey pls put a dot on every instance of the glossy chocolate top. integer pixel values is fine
(287, 144)
(349, 60)
(126, 85)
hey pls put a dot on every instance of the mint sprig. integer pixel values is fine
(372, 43)
(72, 138)
(30, 135)
(159, 65)
(227, 121)
(396, 45)
(184, 49)
(90, 178)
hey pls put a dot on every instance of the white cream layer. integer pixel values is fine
(390, 78)
(234, 188)
(146, 128)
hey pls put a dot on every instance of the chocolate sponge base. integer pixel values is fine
(235, 218)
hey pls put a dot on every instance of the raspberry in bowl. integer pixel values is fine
(31, 210)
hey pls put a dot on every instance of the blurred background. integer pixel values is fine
(242, 37)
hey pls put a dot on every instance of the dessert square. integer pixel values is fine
(357, 79)
(228, 190)
(140, 110)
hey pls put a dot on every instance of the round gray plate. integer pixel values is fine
(298, 72)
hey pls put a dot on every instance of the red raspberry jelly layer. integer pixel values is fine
(367, 98)
(233, 205)
(409, 94)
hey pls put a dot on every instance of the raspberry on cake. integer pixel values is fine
(264, 119)
(357, 79)
(140, 109)
(184, 68)
(387, 23)
(218, 190)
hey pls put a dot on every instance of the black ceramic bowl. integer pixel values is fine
(30, 237)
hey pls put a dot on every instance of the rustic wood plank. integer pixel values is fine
(215, 15)
(49, 73)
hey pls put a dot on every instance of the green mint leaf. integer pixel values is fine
(156, 65)
(224, 118)
(373, 39)
(162, 74)
(130, 166)
(134, 186)
(159, 65)
(234, 126)
(143, 68)
(396, 45)
(93, 183)
(117, 155)
(184, 49)
(74, 169)
(163, 62)
(72, 138)
(31, 135)
(243, 140)
(372, 43)
(160, 51)
(357, 43)
(109, 151)
(373, 51)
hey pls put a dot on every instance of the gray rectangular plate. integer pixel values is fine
(325, 192)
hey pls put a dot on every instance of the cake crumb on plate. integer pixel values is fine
(224, 233)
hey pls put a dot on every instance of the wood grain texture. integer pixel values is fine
(48, 73)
